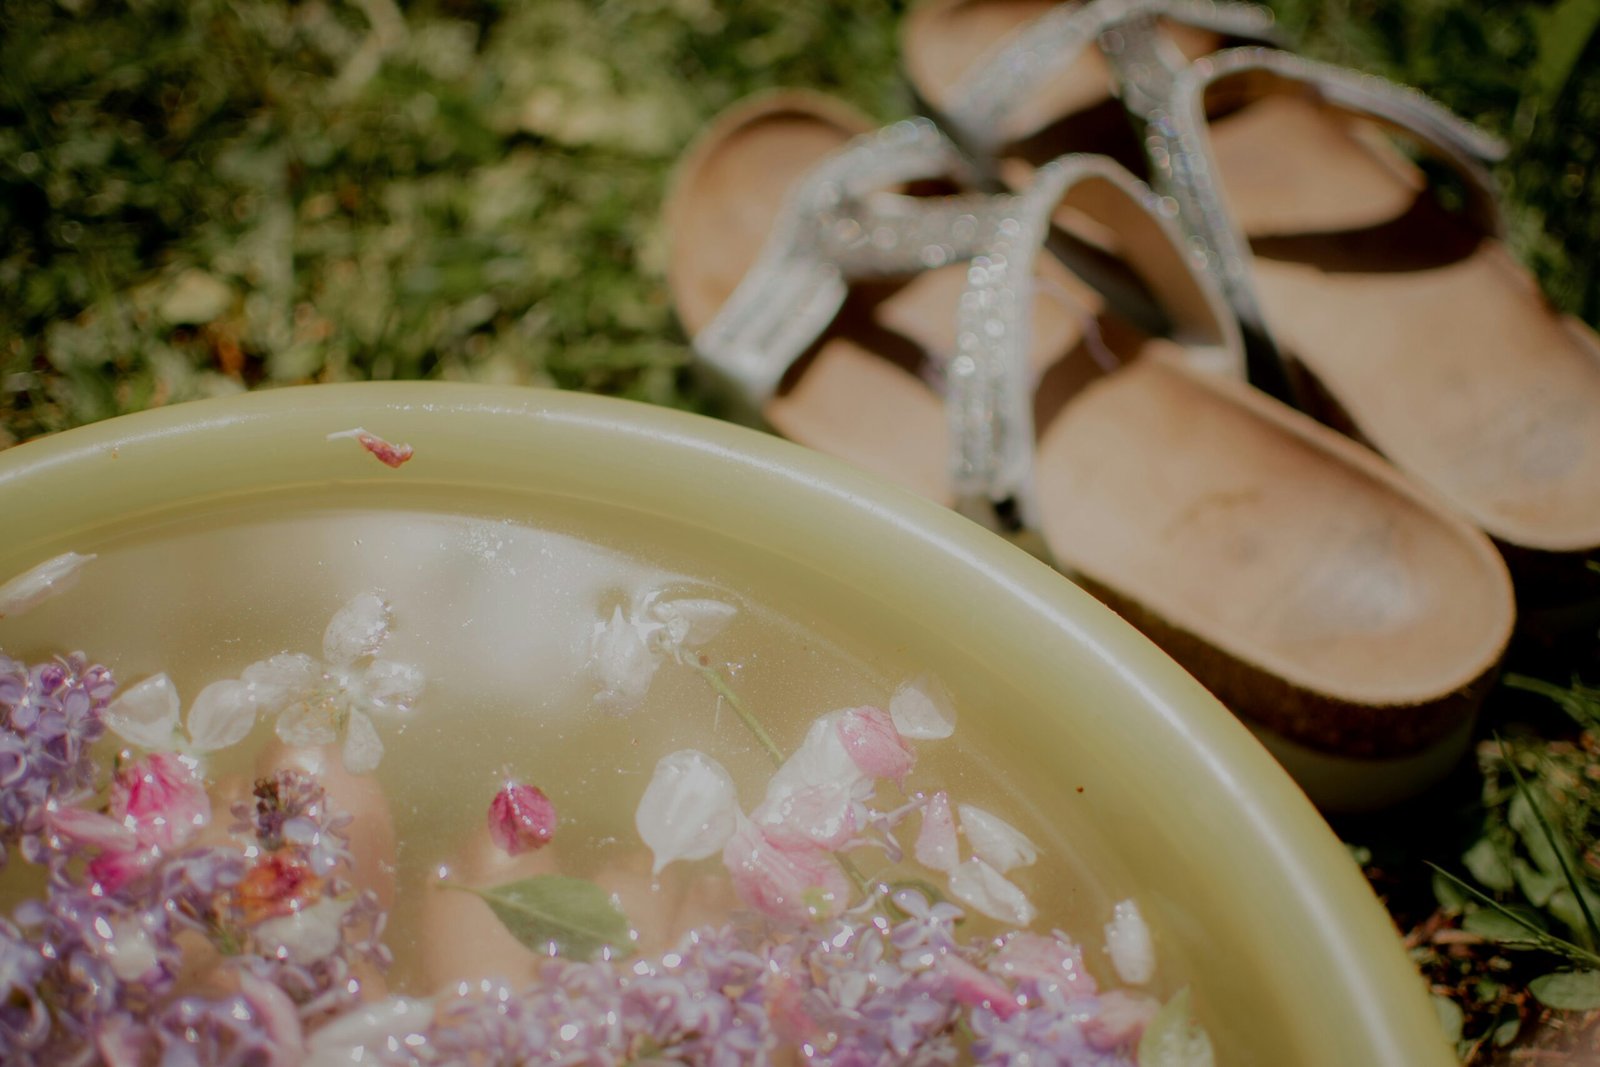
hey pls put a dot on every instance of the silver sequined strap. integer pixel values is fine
(837, 223)
(1186, 169)
(982, 101)
(990, 383)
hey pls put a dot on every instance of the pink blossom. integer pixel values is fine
(161, 799)
(872, 740)
(521, 819)
(816, 816)
(973, 987)
(1121, 1020)
(1053, 961)
(113, 870)
(279, 1019)
(90, 828)
(797, 882)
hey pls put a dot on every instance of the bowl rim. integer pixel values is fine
(70, 480)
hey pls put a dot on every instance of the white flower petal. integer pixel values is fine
(689, 809)
(981, 887)
(996, 842)
(361, 1034)
(356, 630)
(692, 621)
(362, 746)
(146, 713)
(287, 673)
(922, 710)
(222, 714)
(1129, 944)
(34, 586)
(393, 685)
(821, 760)
(304, 937)
(623, 663)
(311, 722)
(131, 952)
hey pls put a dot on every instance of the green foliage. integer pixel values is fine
(553, 913)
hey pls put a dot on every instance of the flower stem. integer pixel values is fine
(717, 682)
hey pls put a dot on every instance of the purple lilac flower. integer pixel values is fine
(49, 717)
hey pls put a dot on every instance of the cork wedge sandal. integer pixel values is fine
(1388, 315)
(1315, 590)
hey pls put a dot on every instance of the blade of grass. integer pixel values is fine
(1539, 938)
(1558, 845)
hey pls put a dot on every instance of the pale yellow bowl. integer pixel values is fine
(1292, 959)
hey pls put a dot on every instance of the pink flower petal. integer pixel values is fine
(1052, 961)
(278, 1016)
(869, 735)
(113, 870)
(973, 987)
(161, 798)
(521, 819)
(936, 846)
(798, 884)
(818, 816)
(91, 828)
(388, 453)
(1121, 1020)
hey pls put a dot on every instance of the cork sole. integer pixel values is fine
(1287, 567)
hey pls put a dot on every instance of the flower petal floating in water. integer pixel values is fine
(91, 828)
(38, 584)
(356, 630)
(386, 1024)
(996, 842)
(223, 714)
(146, 713)
(986, 890)
(363, 749)
(304, 936)
(937, 846)
(922, 710)
(623, 661)
(161, 798)
(521, 819)
(870, 736)
(1128, 941)
(692, 621)
(130, 951)
(973, 987)
(388, 453)
(819, 816)
(794, 883)
(689, 810)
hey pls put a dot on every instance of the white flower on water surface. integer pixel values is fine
(319, 703)
(626, 649)
(336, 699)
(689, 809)
(984, 889)
(305, 936)
(995, 841)
(1128, 942)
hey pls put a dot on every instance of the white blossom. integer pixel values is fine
(986, 890)
(1129, 944)
(304, 936)
(689, 809)
(626, 650)
(363, 1034)
(922, 710)
(995, 841)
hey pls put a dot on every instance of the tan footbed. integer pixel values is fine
(1289, 568)
(1423, 338)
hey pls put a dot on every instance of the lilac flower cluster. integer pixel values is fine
(154, 965)
(49, 717)
(856, 992)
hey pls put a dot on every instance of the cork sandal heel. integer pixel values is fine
(1316, 591)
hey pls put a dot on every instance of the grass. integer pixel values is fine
(199, 197)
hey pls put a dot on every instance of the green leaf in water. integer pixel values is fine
(1568, 990)
(573, 917)
(1173, 1039)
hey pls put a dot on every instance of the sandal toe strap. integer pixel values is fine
(839, 222)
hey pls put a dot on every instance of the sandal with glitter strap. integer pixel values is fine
(1296, 574)
(1389, 316)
